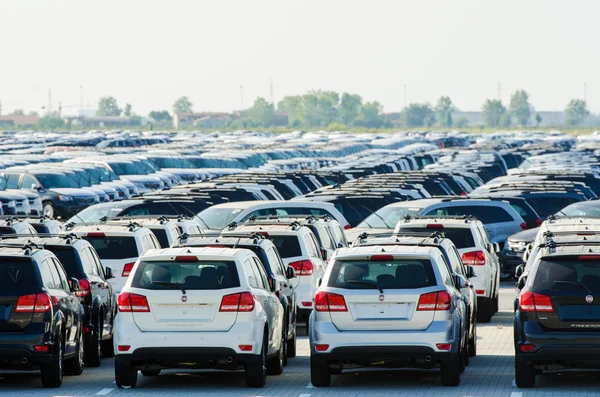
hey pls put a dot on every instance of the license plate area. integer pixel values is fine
(184, 312)
(381, 311)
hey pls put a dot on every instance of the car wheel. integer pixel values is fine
(125, 374)
(275, 365)
(284, 347)
(52, 372)
(524, 374)
(94, 350)
(154, 372)
(256, 368)
(48, 210)
(75, 365)
(473, 342)
(291, 345)
(464, 358)
(451, 371)
(320, 375)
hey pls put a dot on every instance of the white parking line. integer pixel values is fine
(516, 394)
(304, 395)
(310, 386)
(104, 392)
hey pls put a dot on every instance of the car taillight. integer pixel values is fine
(381, 258)
(85, 288)
(96, 234)
(328, 302)
(523, 226)
(347, 227)
(539, 222)
(242, 302)
(133, 303)
(532, 302)
(186, 258)
(34, 303)
(127, 269)
(434, 301)
(434, 226)
(303, 268)
(475, 258)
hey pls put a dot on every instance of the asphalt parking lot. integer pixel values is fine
(491, 373)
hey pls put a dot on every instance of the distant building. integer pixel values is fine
(99, 121)
(18, 120)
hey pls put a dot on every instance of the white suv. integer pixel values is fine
(210, 308)
(470, 238)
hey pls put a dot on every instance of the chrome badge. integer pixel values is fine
(184, 298)
(381, 298)
(589, 299)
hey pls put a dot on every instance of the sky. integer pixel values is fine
(150, 52)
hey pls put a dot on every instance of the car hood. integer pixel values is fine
(12, 195)
(73, 192)
(526, 236)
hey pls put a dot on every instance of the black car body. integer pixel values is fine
(512, 254)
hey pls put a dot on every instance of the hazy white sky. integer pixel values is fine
(149, 52)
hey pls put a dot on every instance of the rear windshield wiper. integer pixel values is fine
(574, 284)
(366, 282)
(167, 284)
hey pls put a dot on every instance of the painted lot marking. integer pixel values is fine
(104, 392)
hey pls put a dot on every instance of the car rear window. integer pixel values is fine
(114, 247)
(68, 260)
(288, 246)
(461, 237)
(546, 206)
(486, 214)
(201, 275)
(161, 236)
(568, 270)
(397, 274)
(17, 278)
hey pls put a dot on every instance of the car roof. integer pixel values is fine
(166, 253)
(382, 250)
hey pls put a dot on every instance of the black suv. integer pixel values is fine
(80, 261)
(274, 267)
(41, 318)
(557, 314)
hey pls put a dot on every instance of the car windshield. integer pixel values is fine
(387, 217)
(585, 210)
(172, 162)
(96, 212)
(125, 168)
(54, 181)
(219, 217)
(394, 274)
(114, 247)
(201, 275)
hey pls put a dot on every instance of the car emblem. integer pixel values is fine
(381, 298)
(589, 299)
(184, 298)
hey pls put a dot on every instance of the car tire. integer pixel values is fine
(291, 345)
(485, 310)
(320, 375)
(151, 373)
(74, 366)
(496, 304)
(93, 353)
(125, 374)
(52, 372)
(524, 374)
(256, 368)
(275, 365)
(464, 358)
(49, 210)
(450, 371)
(473, 342)
(108, 348)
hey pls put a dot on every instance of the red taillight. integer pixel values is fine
(185, 258)
(85, 288)
(264, 234)
(123, 348)
(242, 302)
(527, 348)
(434, 226)
(96, 234)
(303, 268)
(443, 346)
(321, 348)
(133, 303)
(41, 348)
(34, 303)
(307, 304)
(480, 291)
(475, 258)
(347, 227)
(245, 348)
(523, 226)
(434, 301)
(532, 302)
(539, 222)
(588, 257)
(381, 258)
(127, 269)
(328, 302)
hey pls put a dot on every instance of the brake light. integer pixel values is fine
(85, 288)
(321, 348)
(443, 346)
(328, 302)
(588, 257)
(123, 348)
(434, 226)
(381, 258)
(539, 222)
(34, 303)
(41, 348)
(527, 348)
(523, 226)
(242, 302)
(184, 258)
(133, 303)
(533, 302)
(347, 227)
(127, 269)
(434, 301)
(303, 268)
(475, 258)
(96, 234)
(245, 348)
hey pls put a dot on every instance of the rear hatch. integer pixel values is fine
(383, 295)
(566, 293)
(186, 296)
(17, 278)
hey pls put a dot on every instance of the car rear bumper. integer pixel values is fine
(562, 354)
(185, 357)
(390, 355)
(22, 357)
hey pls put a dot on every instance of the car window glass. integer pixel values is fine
(54, 274)
(311, 246)
(261, 275)
(456, 261)
(446, 277)
(274, 262)
(96, 263)
(64, 281)
(154, 241)
(12, 181)
(326, 238)
(493, 214)
(252, 279)
(28, 182)
(86, 262)
(47, 278)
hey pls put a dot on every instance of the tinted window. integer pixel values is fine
(397, 274)
(69, 261)
(64, 284)
(28, 182)
(486, 214)
(114, 247)
(288, 246)
(218, 218)
(461, 237)
(50, 181)
(16, 278)
(568, 270)
(388, 217)
(46, 273)
(546, 206)
(584, 209)
(201, 275)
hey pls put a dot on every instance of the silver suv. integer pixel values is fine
(418, 321)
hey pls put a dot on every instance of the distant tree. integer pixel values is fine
(350, 107)
(370, 115)
(506, 120)
(519, 107)
(160, 116)
(576, 112)
(136, 120)
(262, 113)
(461, 122)
(538, 120)
(50, 122)
(32, 113)
(493, 111)
(418, 115)
(293, 106)
(18, 112)
(443, 111)
(182, 105)
(107, 106)
(127, 111)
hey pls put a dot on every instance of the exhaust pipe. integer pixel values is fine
(229, 359)
(427, 359)
(24, 360)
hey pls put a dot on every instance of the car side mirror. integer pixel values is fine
(519, 271)
(489, 247)
(290, 273)
(108, 273)
(521, 283)
(274, 284)
(324, 253)
(496, 247)
(460, 281)
(470, 272)
(74, 284)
